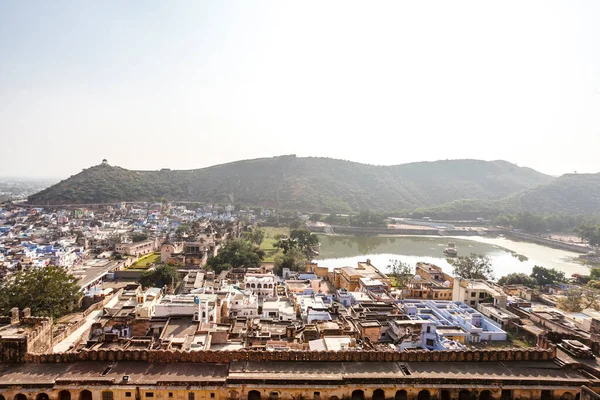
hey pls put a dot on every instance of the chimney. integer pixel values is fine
(14, 315)
(26, 313)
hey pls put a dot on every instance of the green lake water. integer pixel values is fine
(339, 251)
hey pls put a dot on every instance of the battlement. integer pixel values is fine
(208, 356)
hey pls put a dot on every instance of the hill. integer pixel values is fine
(574, 194)
(570, 193)
(310, 184)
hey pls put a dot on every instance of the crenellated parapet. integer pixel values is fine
(174, 356)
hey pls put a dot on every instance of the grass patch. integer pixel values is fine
(269, 241)
(146, 261)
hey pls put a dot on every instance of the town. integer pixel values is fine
(163, 281)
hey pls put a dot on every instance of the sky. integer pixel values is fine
(189, 84)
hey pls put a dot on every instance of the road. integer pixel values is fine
(94, 316)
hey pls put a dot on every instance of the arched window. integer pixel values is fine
(465, 395)
(85, 395)
(358, 395)
(379, 394)
(42, 396)
(259, 286)
(20, 396)
(424, 395)
(445, 395)
(401, 395)
(485, 395)
(254, 395)
(64, 395)
(567, 396)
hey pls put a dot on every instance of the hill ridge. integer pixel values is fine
(303, 183)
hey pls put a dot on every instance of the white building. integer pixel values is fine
(202, 307)
(278, 309)
(242, 304)
(475, 291)
(261, 285)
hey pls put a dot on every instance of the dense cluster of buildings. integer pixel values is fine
(319, 333)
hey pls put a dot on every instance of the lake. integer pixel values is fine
(341, 251)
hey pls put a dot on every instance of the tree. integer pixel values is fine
(257, 236)
(589, 232)
(139, 237)
(474, 266)
(236, 253)
(571, 301)
(161, 276)
(315, 218)
(304, 238)
(294, 259)
(48, 291)
(547, 276)
(595, 274)
(182, 231)
(401, 272)
(367, 218)
(300, 238)
(517, 278)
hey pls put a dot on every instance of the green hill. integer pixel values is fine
(570, 193)
(573, 194)
(310, 184)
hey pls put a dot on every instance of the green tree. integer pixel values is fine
(294, 259)
(315, 217)
(49, 291)
(236, 254)
(139, 237)
(257, 236)
(182, 230)
(161, 276)
(474, 266)
(517, 278)
(401, 272)
(304, 238)
(547, 276)
(367, 218)
(595, 274)
(589, 232)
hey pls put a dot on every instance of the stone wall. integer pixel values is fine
(39, 338)
(531, 354)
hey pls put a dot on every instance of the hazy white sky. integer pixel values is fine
(155, 84)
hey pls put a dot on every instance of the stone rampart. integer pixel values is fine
(169, 356)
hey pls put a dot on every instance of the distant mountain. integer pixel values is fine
(308, 184)
(570, 193)
(574, 194)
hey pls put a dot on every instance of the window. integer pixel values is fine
(317, 395)
(127, 394)
(481, 295)
(429, 342)
(149, 394)
(170, 395)
(191, 396)
(473, 294)
(107, 395)
(212, 395)
(428, 329)
(473, 302)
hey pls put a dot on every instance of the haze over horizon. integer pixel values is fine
(185, 85)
